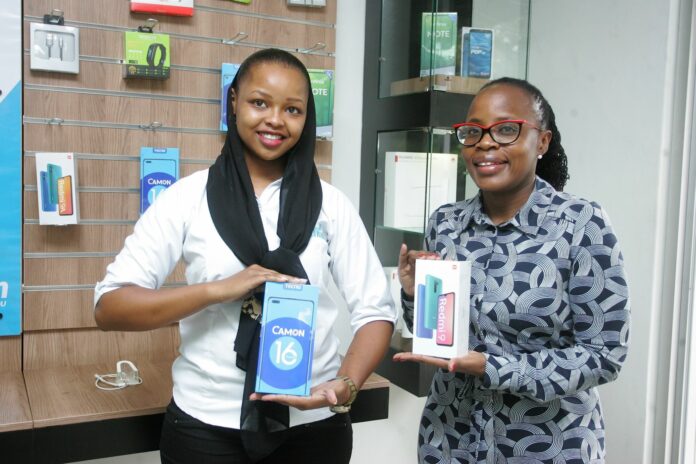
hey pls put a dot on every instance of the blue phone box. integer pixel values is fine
(159, 169)
(286, 348)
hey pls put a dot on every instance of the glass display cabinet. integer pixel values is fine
(424, 62)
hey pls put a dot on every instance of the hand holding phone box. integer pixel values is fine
(442, 304)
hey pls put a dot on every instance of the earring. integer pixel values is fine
(540, 156)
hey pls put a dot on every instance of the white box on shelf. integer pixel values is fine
(54, 48)
(405, 183)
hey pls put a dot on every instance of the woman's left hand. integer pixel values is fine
(323, 395)
(473, 362)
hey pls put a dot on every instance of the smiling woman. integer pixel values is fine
(259, 214)
(549, 309)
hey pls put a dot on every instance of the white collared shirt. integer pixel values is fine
(207, 383)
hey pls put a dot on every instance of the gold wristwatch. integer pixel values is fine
(345, 407)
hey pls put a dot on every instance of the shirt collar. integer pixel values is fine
(528, 219)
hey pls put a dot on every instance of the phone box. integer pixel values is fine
(287, 339)
(146, 55)
(476, 52)
(165, 7)
(56, 191)
(54, 48)
(438, 44)
(159, 169)
(228, 71)
(322, 81)
(441, 311)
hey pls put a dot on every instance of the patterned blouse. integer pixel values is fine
(550, 310)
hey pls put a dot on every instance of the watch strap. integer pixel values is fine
(345, 407)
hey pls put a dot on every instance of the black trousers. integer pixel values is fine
(186, 440)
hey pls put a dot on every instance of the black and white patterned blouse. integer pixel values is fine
(550, 310)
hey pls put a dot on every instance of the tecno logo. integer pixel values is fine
(4, 290)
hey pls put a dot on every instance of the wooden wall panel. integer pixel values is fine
(95, 205)
(76, 271)
(75, 238)
(10, 353)
(55, 348)
(61, 309)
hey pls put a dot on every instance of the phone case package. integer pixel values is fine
(438, 44)
(147, 55)
(159, 169)
(441, 316)
(476, 52)
(322, 81)
(54, 48)
(165, 7)
(228, 71)
(55, 185)
(287, 339)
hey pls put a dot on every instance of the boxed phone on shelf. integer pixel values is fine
(146, 55)
(159, 169)
(322, 81)
(54, 48)
(441, 315)
(228, 71)
(438, 44)
(287, 339)
(476, 52)
(165, 7)
(55, 185)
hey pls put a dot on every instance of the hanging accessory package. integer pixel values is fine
(54, 46)
(165, 7)
(146, 53)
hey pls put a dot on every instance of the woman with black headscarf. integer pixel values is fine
(259, 214)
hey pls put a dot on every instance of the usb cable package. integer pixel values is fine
(54, 48)
(441, 312)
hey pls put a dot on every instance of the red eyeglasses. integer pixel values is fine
(502, 132)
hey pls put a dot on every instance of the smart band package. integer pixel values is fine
(54, 48)
(441, 308)
(165, 7)
(159, 169)
(286, 348)
(228, 71)
(146, 55)
(322, 81)
(56, 192)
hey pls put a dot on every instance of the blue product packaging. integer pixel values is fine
(159, 168)
(228, 71)
(287, 339)
(477, 52)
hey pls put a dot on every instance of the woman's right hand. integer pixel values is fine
(243, 283)
(407, 267)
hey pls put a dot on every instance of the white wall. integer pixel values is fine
(602, 66)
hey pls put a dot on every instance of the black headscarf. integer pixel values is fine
(235, 213)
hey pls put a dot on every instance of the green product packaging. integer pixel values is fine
(438, 44)
(322, 81)
(146, 55)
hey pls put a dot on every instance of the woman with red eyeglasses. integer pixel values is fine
(549, 308)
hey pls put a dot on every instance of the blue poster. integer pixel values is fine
(11, 168)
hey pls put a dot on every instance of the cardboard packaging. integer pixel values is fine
(476, 53)
(405, 178)
(287, 339)
(147, 55)
(441, 316)
(165, 7)
(55, 182)
(438, 44)
(322, 81)
(228, 71)
(54, 48)
(159, 169)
